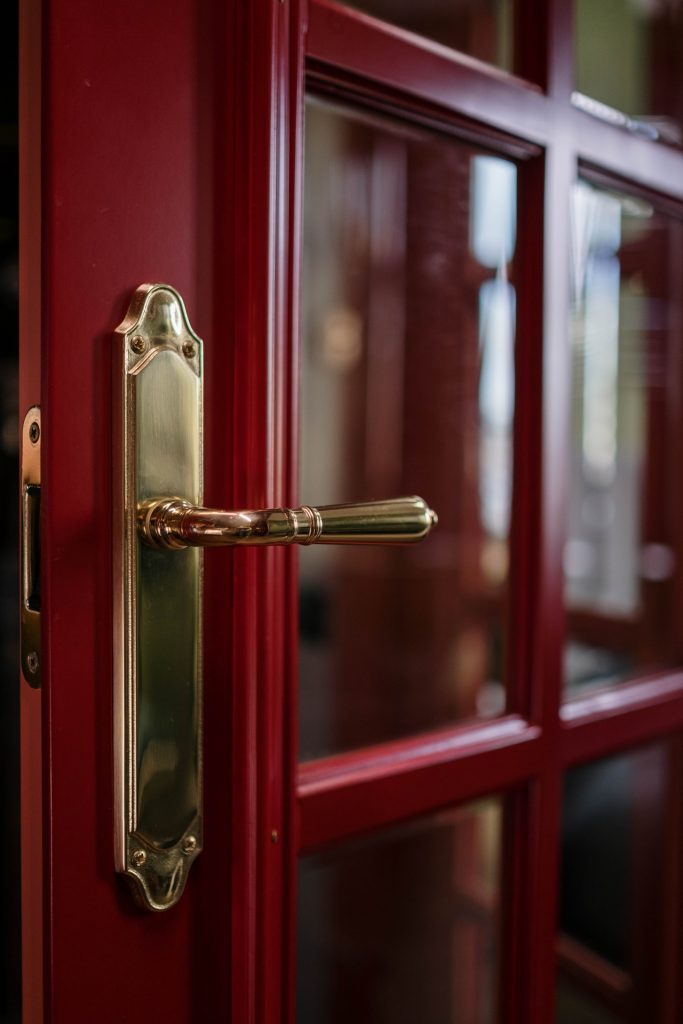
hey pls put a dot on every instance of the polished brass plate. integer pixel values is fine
(31, 654)
(157, 600)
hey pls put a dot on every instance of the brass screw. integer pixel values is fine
(189, 844)
(189, 350)
(32, 662)
(34, 432)
(274, 836)
(138, 344)
(139, 857)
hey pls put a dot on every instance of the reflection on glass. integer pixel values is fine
(481, 28)
(403, 927)
(617, 827)
(620, 558)
(407, 388)
(628, 56)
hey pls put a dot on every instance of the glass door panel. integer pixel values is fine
(403, 926)
(618, 825)
(407, 387)
(621, 558)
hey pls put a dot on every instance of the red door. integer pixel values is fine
(431, 249)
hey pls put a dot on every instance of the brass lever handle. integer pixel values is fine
(157, 602)
(174, 523)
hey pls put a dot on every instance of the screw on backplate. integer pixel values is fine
(34, 432)
(138, 344)
(189, 844)
(139, 857)
(274, 836)
(189, 350)
(32, 662)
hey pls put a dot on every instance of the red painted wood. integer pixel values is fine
(614, 719)
(625, 157)
(672, 930)
(528, 598)
(159, 195)
(417, 74)
(126, 141)
(538, 1001)
(370, 54)
(30, 310)
(264, 466)
(523, 607)
(290, 719)
(351, 793)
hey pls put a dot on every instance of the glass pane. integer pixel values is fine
(403, 927)
(407, 388)
(577, 1007)
(620, 563)
(629, 58)
(481, 28)
(618, 824)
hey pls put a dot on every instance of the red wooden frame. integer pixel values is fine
(30, 277)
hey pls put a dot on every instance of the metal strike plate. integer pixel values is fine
(157, 600)
(31, 654)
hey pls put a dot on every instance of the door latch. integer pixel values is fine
(30, 547)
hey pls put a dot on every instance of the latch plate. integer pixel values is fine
(31, 654)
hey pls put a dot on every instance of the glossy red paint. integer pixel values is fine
(377, 59)
(30, 277)
(173, 152)
(123, 144)
(382, 61)
(611, 720)
(264, 472)
(351, 793)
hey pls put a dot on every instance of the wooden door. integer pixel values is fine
(429, 251)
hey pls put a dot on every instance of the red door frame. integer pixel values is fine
(226, 101)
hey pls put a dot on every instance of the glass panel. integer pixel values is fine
(407, 388)
(620, 561)
(618, 826)
(577, 1007)
(403, 927)
(481, 28)
(643, 74)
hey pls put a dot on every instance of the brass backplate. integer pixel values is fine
(157, 600)
(31, 654)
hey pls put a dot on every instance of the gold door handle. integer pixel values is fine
(158, 509)
(175, 523)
